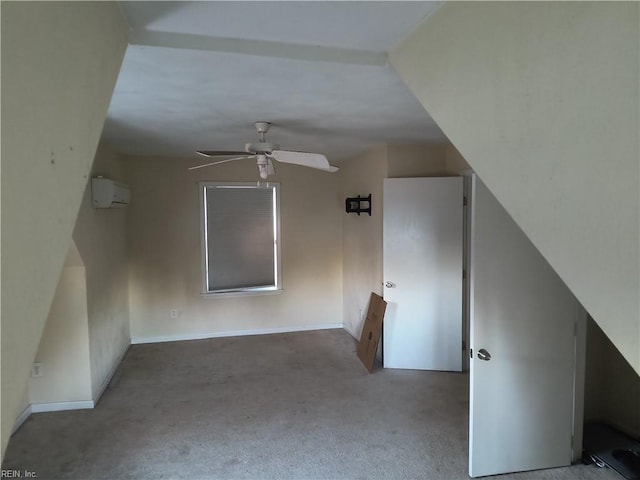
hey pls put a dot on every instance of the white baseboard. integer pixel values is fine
(239, 333)
(50, 407)
(21, 419)
(61, 406)
(112, 372)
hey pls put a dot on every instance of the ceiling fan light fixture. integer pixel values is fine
(263, 166)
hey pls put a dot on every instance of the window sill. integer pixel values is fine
(241, 293)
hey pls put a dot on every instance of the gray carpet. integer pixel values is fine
(290, 406)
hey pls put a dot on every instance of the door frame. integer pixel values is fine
(468, 178)
(460, 239)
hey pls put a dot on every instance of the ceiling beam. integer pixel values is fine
(309, 53)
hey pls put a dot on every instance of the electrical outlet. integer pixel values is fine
(173, 313)
(36, 370)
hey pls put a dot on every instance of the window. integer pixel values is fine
(240, 237)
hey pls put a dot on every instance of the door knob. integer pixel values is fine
(484, 355)
(389, 284)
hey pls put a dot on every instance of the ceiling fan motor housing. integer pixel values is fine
(261, 147)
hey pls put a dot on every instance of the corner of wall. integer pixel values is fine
(362, 235)
(101, 237)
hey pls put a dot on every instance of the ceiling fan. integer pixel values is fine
(265, 153)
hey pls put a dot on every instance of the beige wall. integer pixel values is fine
(87, 328)
(454, 161)
(416, 160)
(100, 235)
(542, 100)
(362, 235)
(165, 266)
(60, 61)
(24, 404)
(362, 242)
(64, 346)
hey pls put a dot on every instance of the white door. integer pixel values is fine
(523, 316)
(422, 238)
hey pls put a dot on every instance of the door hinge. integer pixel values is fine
(464, 201)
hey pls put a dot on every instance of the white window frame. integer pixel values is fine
(261, 290)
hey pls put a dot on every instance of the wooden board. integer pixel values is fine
(371, 331)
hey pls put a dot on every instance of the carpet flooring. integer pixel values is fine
(286, 406)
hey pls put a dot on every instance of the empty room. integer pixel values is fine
(320, 240)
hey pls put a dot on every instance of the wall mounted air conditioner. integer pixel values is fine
(107, 193)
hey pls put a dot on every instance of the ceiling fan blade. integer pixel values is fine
(218, 153)
(313, 160)
(221, 161)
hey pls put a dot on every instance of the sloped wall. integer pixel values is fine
(60, 61)
(542, 100)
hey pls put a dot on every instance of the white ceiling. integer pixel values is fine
(196, 75)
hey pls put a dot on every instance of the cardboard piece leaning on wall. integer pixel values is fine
(371, 331)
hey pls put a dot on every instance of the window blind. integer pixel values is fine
(240, 237)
